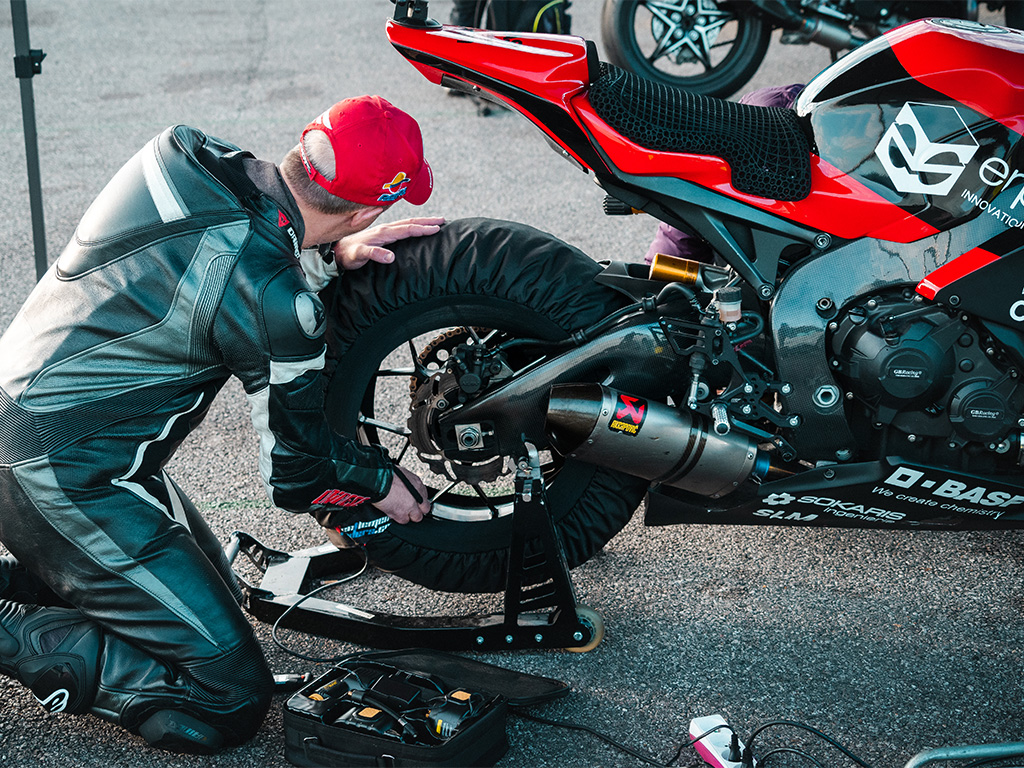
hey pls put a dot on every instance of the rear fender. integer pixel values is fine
(535, 74)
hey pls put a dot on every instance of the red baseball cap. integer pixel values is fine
(378, 153)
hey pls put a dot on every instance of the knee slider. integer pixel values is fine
(179, 732)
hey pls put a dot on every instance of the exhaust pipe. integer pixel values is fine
(836, 37)
(648, 439)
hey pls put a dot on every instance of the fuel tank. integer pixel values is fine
(929, 117)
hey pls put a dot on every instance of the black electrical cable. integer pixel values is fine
(815, 731)
(587, 729)
(790, 750)
(304, 598)
(650, 760)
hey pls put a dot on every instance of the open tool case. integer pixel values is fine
(408, 708)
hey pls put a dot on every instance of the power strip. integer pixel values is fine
(714, 748)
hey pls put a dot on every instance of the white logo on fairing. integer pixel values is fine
(923, 154)
(953, 490)
(778, 499)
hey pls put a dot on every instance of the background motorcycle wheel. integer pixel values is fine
(710, 47)
(486, 275)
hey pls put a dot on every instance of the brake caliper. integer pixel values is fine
(452, 372)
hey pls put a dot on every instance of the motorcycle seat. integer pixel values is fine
(766, 147)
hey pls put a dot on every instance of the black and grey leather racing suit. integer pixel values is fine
(180, 275)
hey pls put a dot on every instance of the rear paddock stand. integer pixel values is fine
(540, 608)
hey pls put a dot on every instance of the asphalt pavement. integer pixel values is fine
(890, 642)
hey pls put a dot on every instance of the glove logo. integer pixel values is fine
(926, 149)
(336, 498)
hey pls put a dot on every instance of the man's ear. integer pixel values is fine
(364, 217)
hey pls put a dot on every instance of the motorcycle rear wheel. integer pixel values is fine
(484, 275)
(709, 47)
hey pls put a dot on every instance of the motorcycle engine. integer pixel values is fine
(923, 383)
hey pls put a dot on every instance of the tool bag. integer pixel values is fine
(408, 708)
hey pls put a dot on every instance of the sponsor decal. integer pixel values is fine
(926, 160)
(778, 514)
(907, 373)
(834, 507)
(296, 250)
(830, 506)
(336, 498)
(396, 188)
(629, 415)
(369, 528)
(947, 494)
(1014, 222)
(310, 313)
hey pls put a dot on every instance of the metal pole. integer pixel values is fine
(28, 63)
(967, 752)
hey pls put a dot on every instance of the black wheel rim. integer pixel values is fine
(685, 41)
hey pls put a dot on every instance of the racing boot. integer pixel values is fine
(17, 584)
(53, 651)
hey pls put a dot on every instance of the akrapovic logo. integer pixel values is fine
(926, 149)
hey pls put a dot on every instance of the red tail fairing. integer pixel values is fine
(534, 74)
(548, 79)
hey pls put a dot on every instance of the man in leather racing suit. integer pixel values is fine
(187, 269)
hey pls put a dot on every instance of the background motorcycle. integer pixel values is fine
(854, 365)
(714, 47)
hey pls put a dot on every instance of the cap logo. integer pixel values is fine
(396, 188)
(325, 120)
(305, 161)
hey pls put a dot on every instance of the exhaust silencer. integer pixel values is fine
(648, 439)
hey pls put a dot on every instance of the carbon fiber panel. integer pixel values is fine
(842, 275)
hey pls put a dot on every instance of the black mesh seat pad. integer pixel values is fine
(766, 147)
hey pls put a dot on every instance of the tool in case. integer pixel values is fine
(408, 708)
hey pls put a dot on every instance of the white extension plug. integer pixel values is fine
(716, 747)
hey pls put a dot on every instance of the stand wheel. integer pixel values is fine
(594, 624)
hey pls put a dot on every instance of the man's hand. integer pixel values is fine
(399, 504)
(355, 250)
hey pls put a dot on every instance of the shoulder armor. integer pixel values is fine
(294, 316)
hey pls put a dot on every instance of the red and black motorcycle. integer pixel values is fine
(850, 357)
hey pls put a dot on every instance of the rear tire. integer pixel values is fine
(486, 275)
(734, 40)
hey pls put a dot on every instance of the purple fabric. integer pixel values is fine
(776, 96)
(671, 241)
